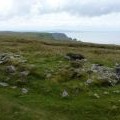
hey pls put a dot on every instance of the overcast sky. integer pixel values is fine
(50, 15)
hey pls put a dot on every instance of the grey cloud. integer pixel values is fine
(94, 8)
(75, 7)
(86, 8)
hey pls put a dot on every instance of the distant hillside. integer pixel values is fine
(60, 36)
(27, 35)
(35, 35)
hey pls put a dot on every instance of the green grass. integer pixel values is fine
(44, 101)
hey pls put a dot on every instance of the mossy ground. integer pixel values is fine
(44, 101)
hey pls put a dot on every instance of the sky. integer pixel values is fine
(60, 15)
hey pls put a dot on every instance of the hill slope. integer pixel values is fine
(39, 85)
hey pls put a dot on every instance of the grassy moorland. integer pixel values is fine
(44, 100)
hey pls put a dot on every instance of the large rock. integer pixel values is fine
(73, 56)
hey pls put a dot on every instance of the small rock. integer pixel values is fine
(114, 107)
(116, 91)
(48, 75)
(24, 73)
(14, 87)
(4, 84)
(96, 96)
(1, 62)
(24, 90)
(17, 56)
(89, 81)
(106, 93)
(65, 94)
(10, 69)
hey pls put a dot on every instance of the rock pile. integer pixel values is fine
(95, 73)
(11, 57)
(12, 66)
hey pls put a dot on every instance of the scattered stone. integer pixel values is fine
(95, 68)
(78, 71)
(17, 56)
(14, 87)
(48, 75)
(116, 91)
(10, 69)
(24, 90)
(89, 72)
(74, 57)
(114, 107)
(1, 62)
(24, 74)
(77, 64)
(96, 96)
(4, 84)
(89, 81)
(65, 94)
(106, 93)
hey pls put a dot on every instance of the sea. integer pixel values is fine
(100, 37)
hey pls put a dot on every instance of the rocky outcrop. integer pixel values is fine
(15, 68)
